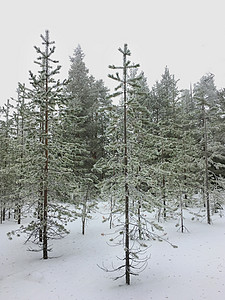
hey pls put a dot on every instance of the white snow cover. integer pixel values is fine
(195, 270)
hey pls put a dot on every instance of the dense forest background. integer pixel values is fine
(65, 146)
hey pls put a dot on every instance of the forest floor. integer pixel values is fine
(194, 270)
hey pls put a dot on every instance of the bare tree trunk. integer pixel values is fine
(3, 214)
(18, 214)
(181, 213)
(84, 212)
(45, 204)
(127, 221)
(40, 201)
(45, 215)
(164, 198)
(83, 225)
(1, 217)
(139, 220)
(111, 212)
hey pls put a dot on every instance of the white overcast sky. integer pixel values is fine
(186, 35)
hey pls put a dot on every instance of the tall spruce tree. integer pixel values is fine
(88, 96)
(164, 112)
(88, 99)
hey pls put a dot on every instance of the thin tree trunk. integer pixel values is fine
(40, 201)
(3, 214)
(18, 214)
(45, 206)
(139, 220)
(84, 212)
(164, 199)
(127, 221)
(45, 237)
(111, 212)
(181, 213)
(83, 225)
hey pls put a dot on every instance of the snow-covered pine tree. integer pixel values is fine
(6, 175)
(208, 114)
(18, 160)
(89, 95)
(123, 84)
(219, 136)
(21, 184)
(51, 179)
(88, 98)
(163, 108)
(184, 165)
(128, 181)
(69, 133)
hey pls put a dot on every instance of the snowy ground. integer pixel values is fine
(195, 270)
